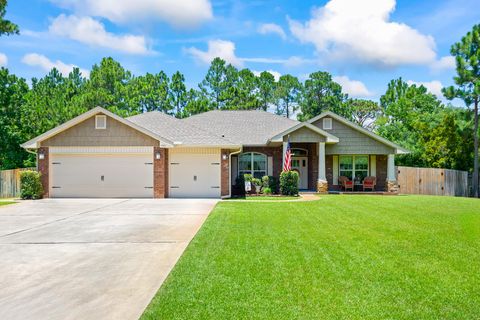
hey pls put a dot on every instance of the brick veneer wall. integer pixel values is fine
(160, 173)
(224, 173)
(43, 168)
(381, 172)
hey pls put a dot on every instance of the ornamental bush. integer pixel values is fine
(30, 185)
(289, 183)
(267, 191)
(270, 182)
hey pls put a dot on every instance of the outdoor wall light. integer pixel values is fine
(224, 156)
(41, 156)
(158, 155)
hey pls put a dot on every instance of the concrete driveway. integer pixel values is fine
(91, 258)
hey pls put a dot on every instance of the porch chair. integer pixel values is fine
(369, 183)
(345, 183)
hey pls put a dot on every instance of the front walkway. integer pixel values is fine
(90, 259)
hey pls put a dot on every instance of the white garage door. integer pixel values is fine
(101, 175)
(194, 175)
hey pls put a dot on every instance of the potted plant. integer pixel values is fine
(258, 184)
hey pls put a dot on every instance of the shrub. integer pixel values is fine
(247, 177)
(267, 191)
(30, 185)
(270, 182)
(240, 186)
(289, 183)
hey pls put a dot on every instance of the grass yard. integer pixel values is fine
(4, 203)
(259, 198)
(342, 257)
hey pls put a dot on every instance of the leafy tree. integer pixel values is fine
(320, 93)
(196, 103)
(6, 27)
(245, 97)
(213, 85)
(107, 88)
(363, 112)
(148, 93)
(51, 101)
(286, 95)
(467, 58)
(266, 86)
(178, 94)
(12, 96)
(404, 108)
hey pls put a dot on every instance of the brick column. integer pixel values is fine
(43, 169)
(224, 173)
(160, 173)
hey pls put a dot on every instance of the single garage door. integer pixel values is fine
(194, 174)
(118, 175)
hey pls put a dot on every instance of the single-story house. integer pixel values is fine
(154, 155)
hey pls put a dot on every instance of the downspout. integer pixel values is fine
(230, 173)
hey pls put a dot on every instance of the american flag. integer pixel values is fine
(287, 165)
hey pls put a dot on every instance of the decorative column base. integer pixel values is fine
(392, 186)
(322, 186)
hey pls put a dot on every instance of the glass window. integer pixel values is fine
(361, 167)
(299, 152)
(346, 166)
(354, 167)
(252, 163)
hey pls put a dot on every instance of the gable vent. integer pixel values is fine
(100, 122)
(327, 123)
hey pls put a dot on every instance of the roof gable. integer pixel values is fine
(398, 148)
(34, 143)
(329, 138)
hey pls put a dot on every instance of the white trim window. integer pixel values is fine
(354, 167)
(253, 163)
(100, 122)
(327, 123)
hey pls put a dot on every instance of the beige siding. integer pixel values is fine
(352, 141)
(304, 135)
(85, 134)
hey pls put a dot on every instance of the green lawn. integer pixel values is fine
(342, 257)
(259, 198)
(4, 203)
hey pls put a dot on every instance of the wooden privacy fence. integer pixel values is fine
(441, 182)
(10, 182)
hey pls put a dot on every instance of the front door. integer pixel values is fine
(300, 164)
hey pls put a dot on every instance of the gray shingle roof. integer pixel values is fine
(177, 130)
(252, 127)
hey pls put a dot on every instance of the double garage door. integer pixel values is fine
(101, 175)
(129, 174)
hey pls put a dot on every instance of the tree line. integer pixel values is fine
(437, 134)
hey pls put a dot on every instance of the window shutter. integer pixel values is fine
(270, 166)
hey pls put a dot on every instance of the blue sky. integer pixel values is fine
(363, 44)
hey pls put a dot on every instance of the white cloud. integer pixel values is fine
(275, 74)
(433, 86)
(226, 50)
(217, 48)
(38, 60)
(3, 60)
(91, 32)
(361, 31)
(354, 88)
(267, 28)
(444, 63)
(178, 13)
